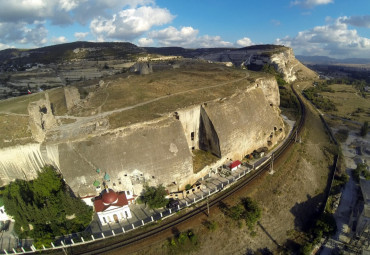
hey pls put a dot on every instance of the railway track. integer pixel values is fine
(202, 208)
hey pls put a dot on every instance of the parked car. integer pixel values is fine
(173, 203)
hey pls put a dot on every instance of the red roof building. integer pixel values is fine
(235, 165)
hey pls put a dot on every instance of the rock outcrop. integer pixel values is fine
(158, 151)
(72, 97)
(282, 58)
(41, 118)
(142, 68)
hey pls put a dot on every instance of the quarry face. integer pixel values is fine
(143, 129)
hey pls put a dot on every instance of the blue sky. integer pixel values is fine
(337, 28)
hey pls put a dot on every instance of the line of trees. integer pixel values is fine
(321, 102)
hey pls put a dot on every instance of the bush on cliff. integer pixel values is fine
(268, 68)
(44, 208)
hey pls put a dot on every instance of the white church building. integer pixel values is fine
(112, 207)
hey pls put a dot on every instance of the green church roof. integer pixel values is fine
(106, 177)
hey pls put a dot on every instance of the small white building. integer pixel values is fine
(235, 165)
(112, 207)
(3, 215)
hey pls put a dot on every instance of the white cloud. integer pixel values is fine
(68, 5)
(244, 42)
(171, 36)
(5, 46)
(59, 11)
(357, 21)
(129, 23)
(334, 39)
(311, 3)
(80, 35)
(145, 42)
(186, 37)
(22, 33)
(58, 40)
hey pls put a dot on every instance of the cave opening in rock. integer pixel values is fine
(43, 110)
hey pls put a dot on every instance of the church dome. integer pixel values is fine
(109, 197)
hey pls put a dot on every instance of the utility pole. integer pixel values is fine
(272, 164)
(296, 135)
(207, 206)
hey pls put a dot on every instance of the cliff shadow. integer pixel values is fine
(208, 137)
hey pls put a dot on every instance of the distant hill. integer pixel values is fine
(323, 60)
(67, 51)
(109, 50)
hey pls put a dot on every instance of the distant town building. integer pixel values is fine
(112, 207)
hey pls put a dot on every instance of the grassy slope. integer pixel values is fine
(347, 99)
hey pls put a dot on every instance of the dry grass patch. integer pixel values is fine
(202, 159)
(19, 105)
(14, 130)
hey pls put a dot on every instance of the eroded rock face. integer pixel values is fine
(285, 63)
(282, 59)
(155, 152)
(243, 123)
(41, 118)
(142, 68)
(72, 97)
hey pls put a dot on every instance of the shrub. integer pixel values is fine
(210, 225)
(306, 249)
(342, 135)
(248, 210)
(361, 169)
(154, 197)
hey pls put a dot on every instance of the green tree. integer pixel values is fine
(252, 212)
(40, 208)
(248, 210)
(155, 197)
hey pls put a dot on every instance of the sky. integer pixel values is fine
(335, 28)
